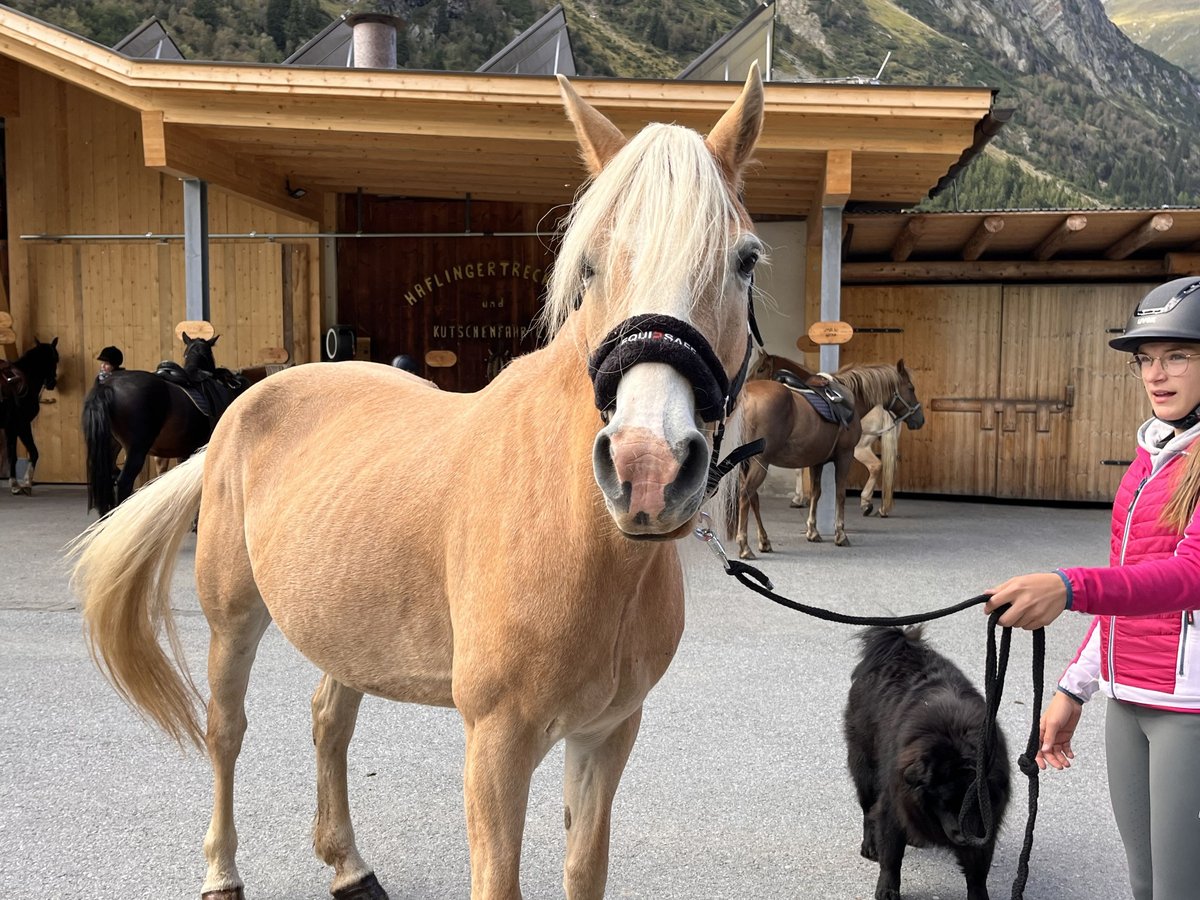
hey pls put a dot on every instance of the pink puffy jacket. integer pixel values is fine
(1142, 646)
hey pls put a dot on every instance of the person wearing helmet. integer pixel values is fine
(407, 363)
(1142, 649)
(111, 360)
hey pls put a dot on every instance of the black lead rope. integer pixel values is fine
(996, 668)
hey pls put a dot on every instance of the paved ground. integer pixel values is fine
(737, 787)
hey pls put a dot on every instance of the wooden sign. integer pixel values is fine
(807, 344)
(6, 319)
(272, 356)
(830, 332)
(441, 359)
(7, 336)
(195, 328)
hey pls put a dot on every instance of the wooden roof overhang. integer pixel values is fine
(1007, 245)
(439, 134)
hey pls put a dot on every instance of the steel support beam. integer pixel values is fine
(195, 248)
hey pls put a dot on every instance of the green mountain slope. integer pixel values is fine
(1169, 28)
(1098, 119)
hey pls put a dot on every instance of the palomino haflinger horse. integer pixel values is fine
(546, 617)
(878, 448)
(797, 437)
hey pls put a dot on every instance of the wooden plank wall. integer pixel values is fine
(75, 166)
(475, 296)
(1018, 354)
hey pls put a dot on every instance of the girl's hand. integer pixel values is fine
(1037, 600)
(1058, 726)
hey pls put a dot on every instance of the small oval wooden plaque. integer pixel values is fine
(7, 336)
(195, 328)
(6, 319)
(807, 344)
(276, 356)
(441, 359)
(830, 332)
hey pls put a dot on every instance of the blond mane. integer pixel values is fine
(665, 190)
(872, 383)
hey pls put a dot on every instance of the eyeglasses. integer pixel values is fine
(1173, 363)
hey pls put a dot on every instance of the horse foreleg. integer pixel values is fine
(814, 498)
(743, 523)
(592, 771)
(230, 656)
(800, 495)
(502, 753)
(334, 713)
(747, 500)
(10, 449)
(25, 485)
(764, 542)
(865, 456)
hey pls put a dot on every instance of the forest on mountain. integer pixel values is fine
(1097, 121)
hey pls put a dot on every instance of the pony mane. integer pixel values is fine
(666, 188)
(874, 382)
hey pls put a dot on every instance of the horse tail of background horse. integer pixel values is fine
(123, 569)
(889, 453)
(101, 454)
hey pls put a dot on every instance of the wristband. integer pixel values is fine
(1070, 590)
(1062, 690)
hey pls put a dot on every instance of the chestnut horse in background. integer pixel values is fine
(798, 438)
(545, 615)
(878, 449)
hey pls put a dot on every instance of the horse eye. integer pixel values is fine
(747, 263)
(587, 272)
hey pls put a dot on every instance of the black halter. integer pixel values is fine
(651, 337)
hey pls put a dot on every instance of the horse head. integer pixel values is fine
(40, 363)
(905, 406)
(657, 258)
(198, 354)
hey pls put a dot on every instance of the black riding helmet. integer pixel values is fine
(1170, 312)
(112, 355)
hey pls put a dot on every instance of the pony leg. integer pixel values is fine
(747, 500)
(814, 498)
(134, 460)
(234, 641)
(334, 712)
(864, 455)
(501, 755)
(764, 542)
(10, 449)
(841, 474)
(743, 520)
(25, 486)
(592, 771)
(800, 495)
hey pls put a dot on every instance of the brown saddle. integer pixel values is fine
(13, 384)
(832, 401)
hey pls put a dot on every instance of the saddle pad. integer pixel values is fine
(821, 405)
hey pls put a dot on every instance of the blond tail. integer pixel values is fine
(889, 452)
(123, 569)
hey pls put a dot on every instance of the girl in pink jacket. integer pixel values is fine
(1142, 649)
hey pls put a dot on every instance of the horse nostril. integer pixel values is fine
(693, 457)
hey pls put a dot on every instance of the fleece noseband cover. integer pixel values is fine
(658, 338)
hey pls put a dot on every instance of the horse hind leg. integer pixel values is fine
(591, 773)
(810, 532)
(841, 469)
(764, 542)
(800, 495)
(25, 484)
(334, 713)
(865, 456)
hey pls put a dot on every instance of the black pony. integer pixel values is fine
(168, 414)
(20, 388)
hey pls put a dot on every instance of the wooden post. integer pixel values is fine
(1053, 242)
(1140, 236)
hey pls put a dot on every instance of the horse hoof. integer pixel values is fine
(814, 538)
(227, 894)
(765, 548)
(798, 504)
(747, 554)
(366, 889)
(842, 541)
(868, 509)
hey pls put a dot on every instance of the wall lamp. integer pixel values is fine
(294, 192)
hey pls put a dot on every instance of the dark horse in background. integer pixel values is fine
(168, 414)
(21, 386)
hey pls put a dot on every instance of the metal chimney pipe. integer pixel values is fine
(374, 39)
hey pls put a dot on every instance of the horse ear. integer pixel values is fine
(213, 341)
(186, 339)
(54, 343)
(900, 367)
(733, 138)
(599, 139)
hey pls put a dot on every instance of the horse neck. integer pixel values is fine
(35, 374)
(867, 397)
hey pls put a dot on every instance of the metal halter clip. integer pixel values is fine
(706, 535)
